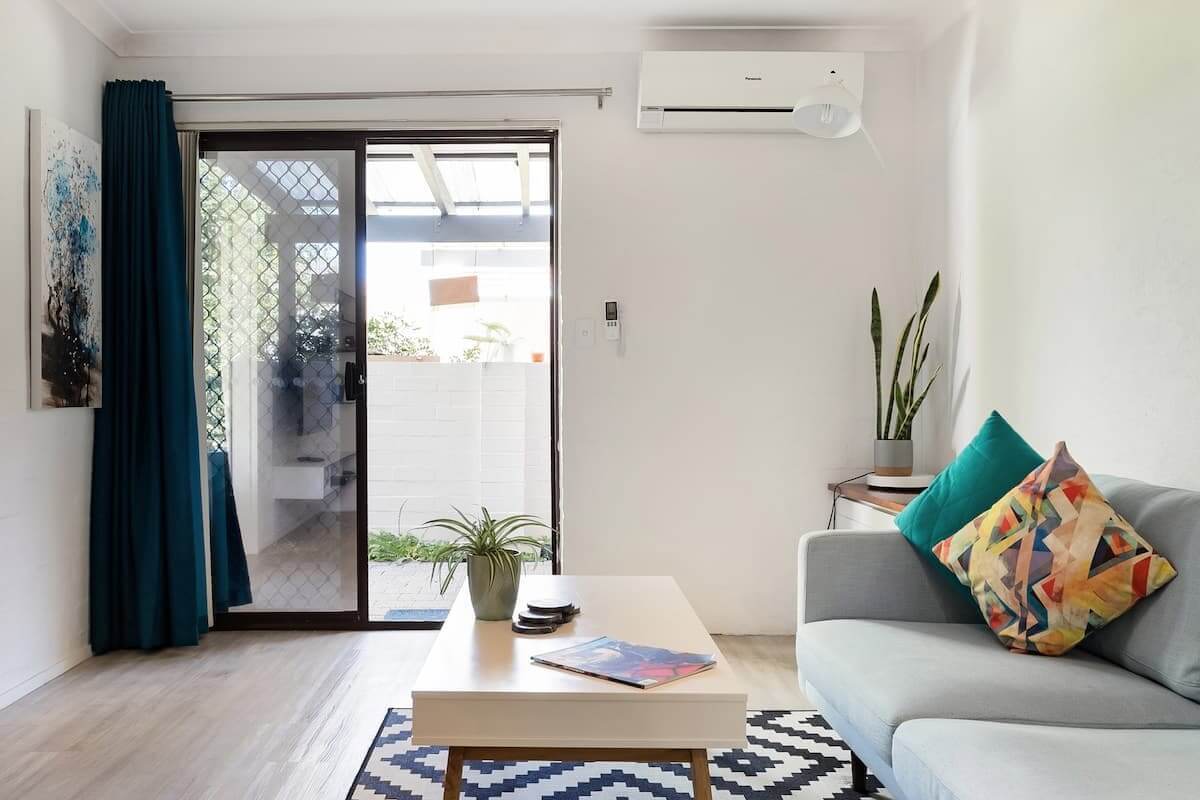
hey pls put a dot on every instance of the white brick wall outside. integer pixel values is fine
(443, 434)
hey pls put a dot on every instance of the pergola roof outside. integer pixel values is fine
(456, 179)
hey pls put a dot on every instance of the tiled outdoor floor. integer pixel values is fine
(310, 569)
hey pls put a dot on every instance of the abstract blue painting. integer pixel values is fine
(64, 266)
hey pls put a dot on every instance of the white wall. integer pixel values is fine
(47, 61)
(700, 447)
(1058, 164)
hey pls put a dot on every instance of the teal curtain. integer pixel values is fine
(230, 574)
(147, 553)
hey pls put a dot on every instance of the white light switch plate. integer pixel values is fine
(585, 332)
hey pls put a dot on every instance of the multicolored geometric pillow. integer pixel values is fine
(1052, 561)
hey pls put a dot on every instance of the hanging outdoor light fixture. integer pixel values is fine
(830, 111)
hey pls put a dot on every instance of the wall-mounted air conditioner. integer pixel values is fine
(721, 91)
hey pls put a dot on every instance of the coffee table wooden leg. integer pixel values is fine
(452, 787)
(701, 785)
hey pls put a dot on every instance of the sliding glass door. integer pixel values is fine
(460, 289)
(278, 254)
(335, 432)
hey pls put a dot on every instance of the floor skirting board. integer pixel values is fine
(77, 656)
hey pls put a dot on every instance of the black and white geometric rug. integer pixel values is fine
(790, 755)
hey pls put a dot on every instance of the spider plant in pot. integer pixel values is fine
(492, 550)
(893, 443)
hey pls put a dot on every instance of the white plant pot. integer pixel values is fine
(893, 457)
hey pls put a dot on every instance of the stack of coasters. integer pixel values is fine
(544, 616)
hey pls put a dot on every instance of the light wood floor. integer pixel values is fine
(249, 715)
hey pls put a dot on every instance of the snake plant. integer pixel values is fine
(497, 540)
(903, 400)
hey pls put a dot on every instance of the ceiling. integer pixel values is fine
(140, 27)
(144, 16)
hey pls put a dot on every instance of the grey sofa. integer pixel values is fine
(936, 708)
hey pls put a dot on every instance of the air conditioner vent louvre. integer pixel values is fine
(721, 110)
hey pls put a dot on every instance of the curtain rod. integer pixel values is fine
(598, 93)
(387, 125)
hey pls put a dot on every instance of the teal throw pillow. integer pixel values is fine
(995, 461)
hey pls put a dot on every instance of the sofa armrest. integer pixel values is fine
(873, 575)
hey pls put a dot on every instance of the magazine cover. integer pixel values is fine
(623, 662)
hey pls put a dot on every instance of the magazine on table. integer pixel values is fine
(624, 662)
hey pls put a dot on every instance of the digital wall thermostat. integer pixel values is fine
(612, 322)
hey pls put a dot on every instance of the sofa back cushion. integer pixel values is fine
(1160, 637)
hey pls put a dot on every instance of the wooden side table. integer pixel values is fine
(861, 508)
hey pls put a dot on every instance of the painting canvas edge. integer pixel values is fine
(36, 134)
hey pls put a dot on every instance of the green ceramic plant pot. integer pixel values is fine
(493, 593)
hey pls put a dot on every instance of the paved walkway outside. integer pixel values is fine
(407, 586)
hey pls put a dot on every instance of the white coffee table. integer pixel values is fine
(479, 694)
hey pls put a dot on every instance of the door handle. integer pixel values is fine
(353, 382)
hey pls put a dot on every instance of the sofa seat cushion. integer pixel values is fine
(879, 674)
(949, 759)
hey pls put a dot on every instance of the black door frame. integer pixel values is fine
(357, 141)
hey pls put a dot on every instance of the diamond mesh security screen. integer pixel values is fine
(278, 321)
(240, 285)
